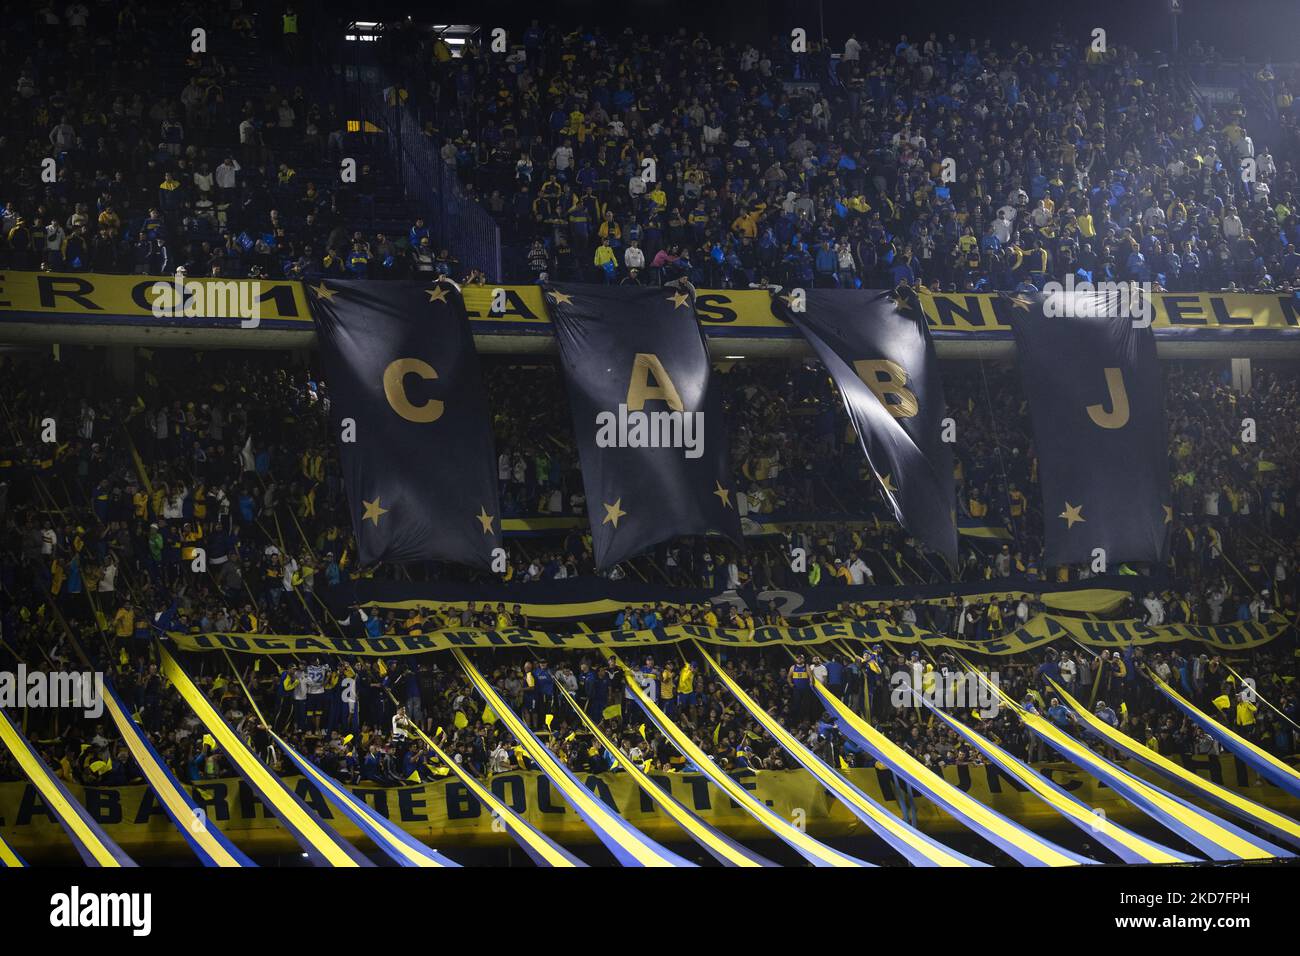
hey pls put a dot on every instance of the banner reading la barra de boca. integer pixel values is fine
(1097, 405)
(447, 815)
(883, 363)
(411, 416)
(651, 438)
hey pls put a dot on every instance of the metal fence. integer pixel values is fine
(459, 222)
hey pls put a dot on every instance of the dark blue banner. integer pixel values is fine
(878, 350)
(1096, 400)
(410, 415)
(651, 438)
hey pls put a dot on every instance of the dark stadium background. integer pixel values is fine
(1262, 29)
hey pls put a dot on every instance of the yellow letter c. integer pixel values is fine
(395, 390)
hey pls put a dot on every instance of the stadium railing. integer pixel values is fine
(458, 222)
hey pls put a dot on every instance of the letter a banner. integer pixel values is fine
(410, 415)
(881, 358)
(1097, 405)
(651, 438)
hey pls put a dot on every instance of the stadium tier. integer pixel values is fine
(636, 445)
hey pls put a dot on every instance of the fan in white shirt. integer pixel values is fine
(859, 573)
(401, 724)
(108, 577)
(499, 762)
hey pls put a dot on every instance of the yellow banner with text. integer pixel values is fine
(446, 815)
(510, 309)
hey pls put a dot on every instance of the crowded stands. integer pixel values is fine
(955, 163)
(614, 158)
(228, 454)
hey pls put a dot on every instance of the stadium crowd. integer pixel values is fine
(229, 452)
(123, 150)
(363, 720)
(957, 163)
(767, 167)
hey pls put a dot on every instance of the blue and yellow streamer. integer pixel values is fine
(916, 847)
(629, 845)
(723, 848)
(399, 845)
(210, 845)
(1020, 843)
(95, 846)
(540, 848)
(323, 846)
(814, 851)
(394, 842)
(1124, 843)
(1246, 809)
(8, 858)
(1215, 837)
(1264, 763)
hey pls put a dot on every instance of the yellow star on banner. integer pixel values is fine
(1169, 513)
(484, 519)
(724, 494)
(373, 511)
(1072, 514)
(899, 296)
(679, 299)
(1021, 302)
(437, 295)
(560, 298)
(888, 484)
(613, 512)
(322, 292)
